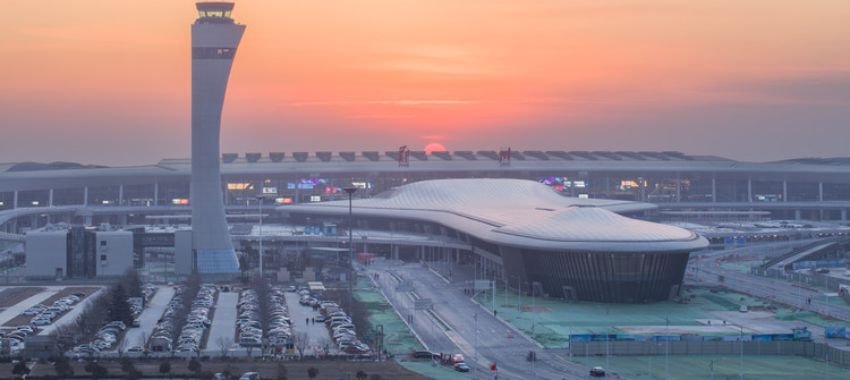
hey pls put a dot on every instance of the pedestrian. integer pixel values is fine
(313, 320)
(306, 321)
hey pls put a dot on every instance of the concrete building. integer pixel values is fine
(215, 37)
(46, 251)
(62, 251)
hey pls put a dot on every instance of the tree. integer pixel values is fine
(301, 341)
(127, 365)
(312, 372)
(361, 375)
(165, 367)
(195, 365)
(20, 369)
(281, 372)
(96, 370)
(63, 367)
(119, 309)
(224, 344)
(133, 283)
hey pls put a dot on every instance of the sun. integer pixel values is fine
(434, 147)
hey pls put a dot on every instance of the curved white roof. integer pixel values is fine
(520, 213)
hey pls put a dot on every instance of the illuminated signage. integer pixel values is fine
(239, 186)
(315, 198)
(283, 200)
(180, 201)
(269, 190)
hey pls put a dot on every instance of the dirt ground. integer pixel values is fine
(13, 295)
(296, 370)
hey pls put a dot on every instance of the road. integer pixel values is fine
(223, 329)
(136, 336)
(496, 341)
(781, 291)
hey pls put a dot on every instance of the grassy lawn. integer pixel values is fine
(725, 367)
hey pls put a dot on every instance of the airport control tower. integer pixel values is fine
(215, 37)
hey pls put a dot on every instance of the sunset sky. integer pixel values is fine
(107, 81)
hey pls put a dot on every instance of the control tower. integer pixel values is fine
(215, 37)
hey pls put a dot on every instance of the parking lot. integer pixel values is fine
(147, 320)
(317, 333)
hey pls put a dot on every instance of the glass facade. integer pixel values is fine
(216, 261)
(606, 277)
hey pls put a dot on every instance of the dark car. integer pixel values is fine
(597, 372)
(461, 367)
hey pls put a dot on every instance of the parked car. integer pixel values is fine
(597, 372)
(461, 367)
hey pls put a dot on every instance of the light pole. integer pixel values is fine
(667, 348)
(350, 190)
(260, 203)
(741, 362)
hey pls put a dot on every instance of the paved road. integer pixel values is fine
(317, 333)
(18, 308)
(496, 341)
(223, 329)
(781, 291)
(147, 320)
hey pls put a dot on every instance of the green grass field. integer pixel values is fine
(725, 367)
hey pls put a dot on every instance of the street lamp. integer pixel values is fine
(260, 203)
(350, 190)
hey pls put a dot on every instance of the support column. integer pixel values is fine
(86, 196)
(121, 195)
(797, 215)
(785, 190)
(843, 215)
(678, 187)
(714, 188)
(50, 198)
(156, 193)
(15, 199)
(750, 190)
(820, 191)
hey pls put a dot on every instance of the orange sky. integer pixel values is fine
(107, 81)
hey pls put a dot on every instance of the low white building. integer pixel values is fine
(62, 251)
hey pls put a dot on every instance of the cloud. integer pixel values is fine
(822, 88)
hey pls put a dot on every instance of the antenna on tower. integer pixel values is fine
(505, 156)
(403, 156)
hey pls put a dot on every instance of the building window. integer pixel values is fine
(102, 257)
(103, 243)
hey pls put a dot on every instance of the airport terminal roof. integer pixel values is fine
(29, 176)
(519, 213)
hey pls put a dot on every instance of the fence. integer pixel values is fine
(813, 279)
(813, 350)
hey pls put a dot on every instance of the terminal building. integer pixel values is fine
(522, 232)
(684, 186)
